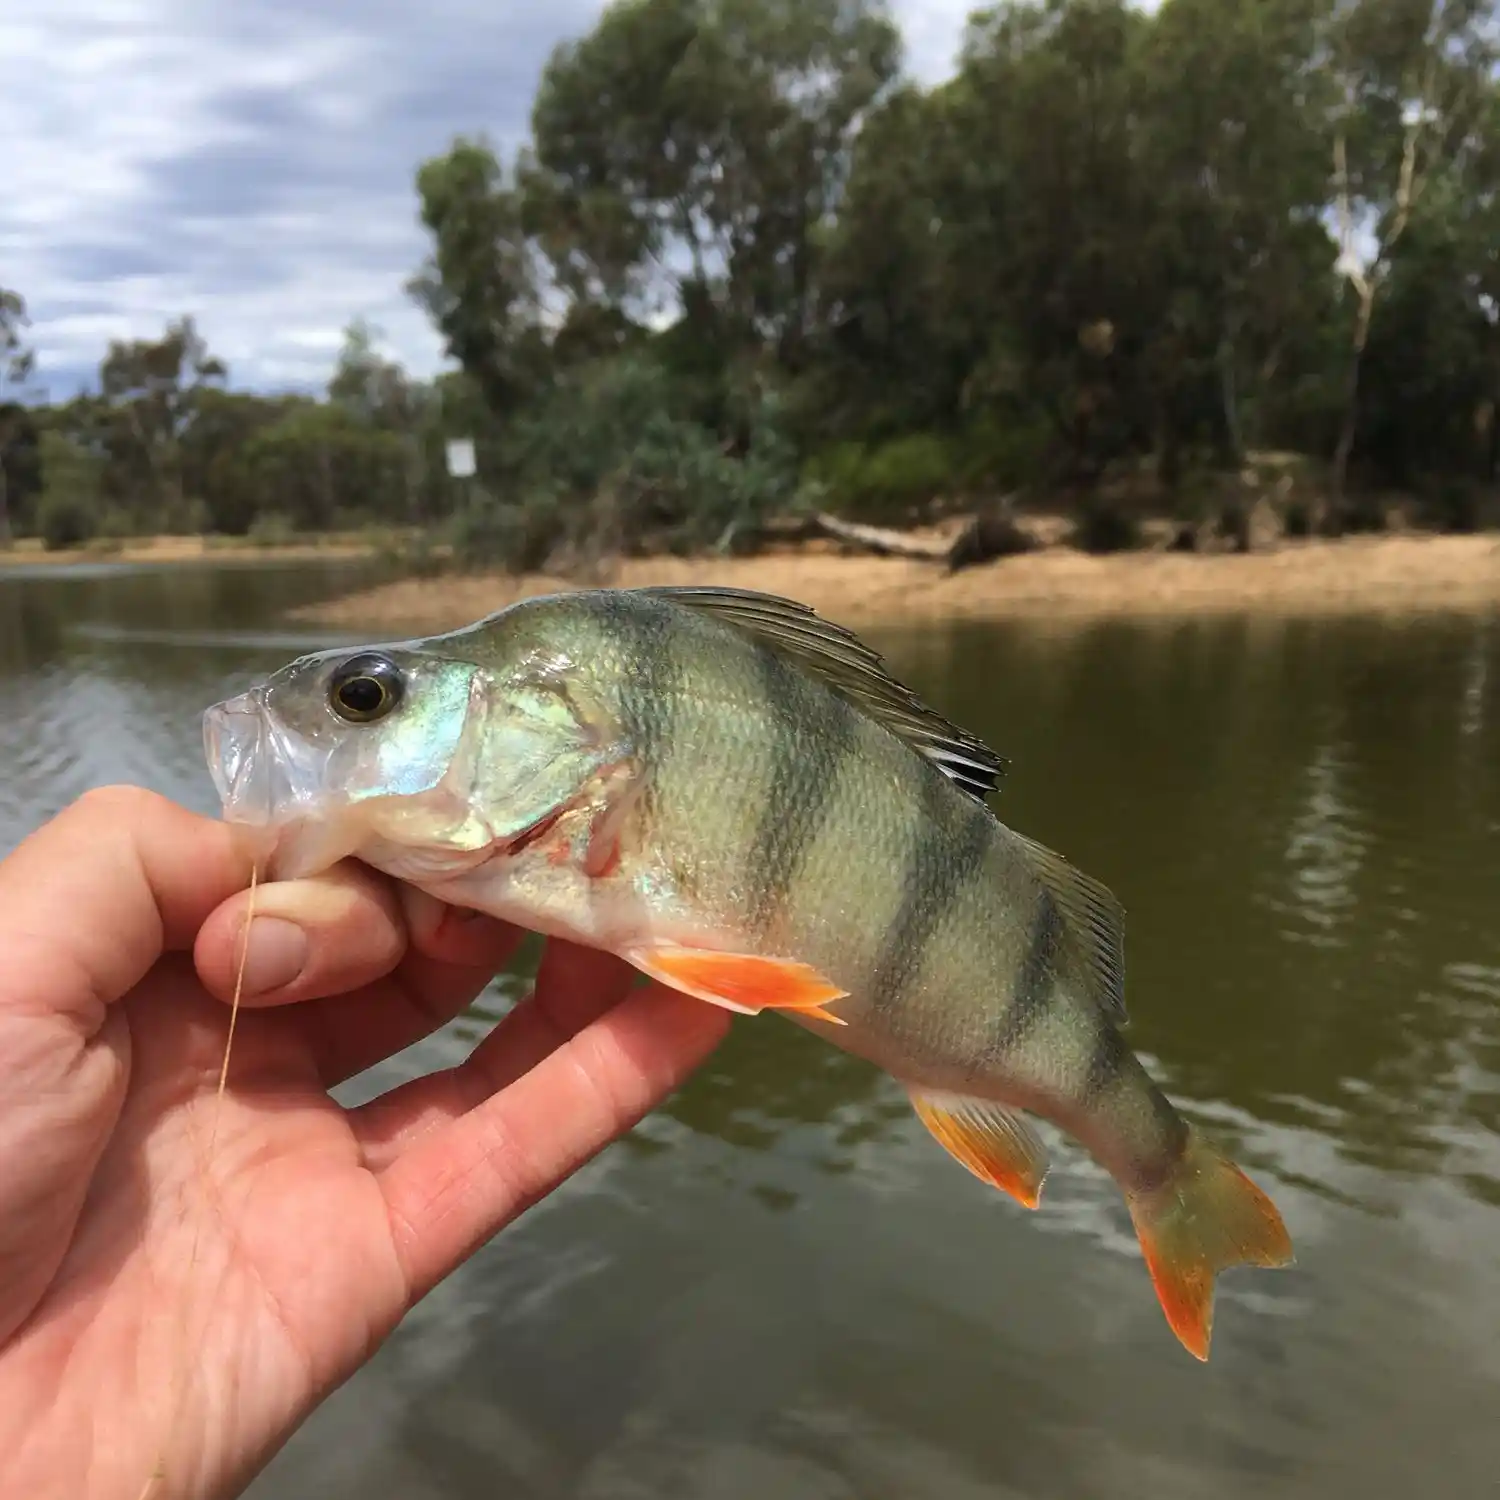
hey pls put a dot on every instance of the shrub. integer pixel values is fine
(65, 520)
(1004, 454)
(890, 482)
(519, 536)
(1105, 524)
(271, 529)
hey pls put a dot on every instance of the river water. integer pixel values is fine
(779, 1288)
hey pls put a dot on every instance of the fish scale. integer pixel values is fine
(736, 796)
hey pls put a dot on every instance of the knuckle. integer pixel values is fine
(119, 800)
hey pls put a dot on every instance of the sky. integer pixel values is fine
(252, 163)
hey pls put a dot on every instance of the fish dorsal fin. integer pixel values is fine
(1095, 921)
(843, 662)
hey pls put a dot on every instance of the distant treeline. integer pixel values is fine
(744, 267)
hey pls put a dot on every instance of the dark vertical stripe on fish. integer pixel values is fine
(648, 690)
(802, 786)
(1104, 1064)
(1035, 982)
(937, 866)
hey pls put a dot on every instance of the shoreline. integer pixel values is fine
(1399, 573)
(188, 549)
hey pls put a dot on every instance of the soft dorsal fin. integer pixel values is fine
(852, 669)
(1095, 921)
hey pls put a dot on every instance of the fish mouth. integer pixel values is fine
(233, 735)
(271, 790)
(263, 780)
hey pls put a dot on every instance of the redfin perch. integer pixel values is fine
(735, 796)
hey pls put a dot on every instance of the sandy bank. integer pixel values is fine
(1352, 575)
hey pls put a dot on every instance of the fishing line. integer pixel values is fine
(158, 1469)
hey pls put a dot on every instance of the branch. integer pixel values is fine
(1408, 185)
(1351, 268)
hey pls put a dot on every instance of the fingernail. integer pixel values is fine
(275, 954)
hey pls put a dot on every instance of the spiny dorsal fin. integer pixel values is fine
(852, 669)
(1095, 920)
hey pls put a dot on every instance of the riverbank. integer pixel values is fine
(1351, 575)
(188, 549)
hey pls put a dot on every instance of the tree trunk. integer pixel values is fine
(1338, 477)
(1229, 402)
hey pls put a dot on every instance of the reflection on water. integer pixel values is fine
(778, 1286)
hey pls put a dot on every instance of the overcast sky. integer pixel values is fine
(252, 162)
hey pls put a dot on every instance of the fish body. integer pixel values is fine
(736, 797)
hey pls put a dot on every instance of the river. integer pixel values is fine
(779, 1288)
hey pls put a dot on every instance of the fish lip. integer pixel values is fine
(263, 777)
(235, 750)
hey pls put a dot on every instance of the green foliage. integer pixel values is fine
(523, 537)
(271, 528)
(318, 462)
(713, 134)
(70, 508)
(889, 482)
(64, 521)
(740, 248)
(615, 462)
(480, 287)
(1005, 450)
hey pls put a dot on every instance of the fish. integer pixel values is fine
(736, 796)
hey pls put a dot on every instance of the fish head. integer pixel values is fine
(412, 758)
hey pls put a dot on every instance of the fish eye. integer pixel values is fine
(365, 688)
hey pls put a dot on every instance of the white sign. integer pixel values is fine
(461, 458)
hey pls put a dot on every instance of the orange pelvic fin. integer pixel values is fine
(1205, 1217)
(742, 982)
(995, 1143)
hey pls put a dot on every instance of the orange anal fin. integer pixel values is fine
(993, 1142)
(742, 982)
(1205, 1217)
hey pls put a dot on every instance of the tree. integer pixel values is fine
(705, 144)
(324, 467)
(374, 389)
(151, 388)
(482, 286)
(1233, 145)
(1050, 221)
(894, 349)
(1415, 82)
(19, 451)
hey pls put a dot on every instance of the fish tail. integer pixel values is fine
(1206, 1216)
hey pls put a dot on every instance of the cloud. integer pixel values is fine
(252, 163)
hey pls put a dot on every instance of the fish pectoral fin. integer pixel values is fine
(742, 982)
(994, 1142)
(618, 788)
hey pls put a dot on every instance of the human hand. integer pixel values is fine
(176, 1310)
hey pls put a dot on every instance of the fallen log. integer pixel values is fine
(883, 543)
(991, 533)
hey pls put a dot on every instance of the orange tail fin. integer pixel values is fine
(1207, 1216)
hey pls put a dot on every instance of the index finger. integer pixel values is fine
(92, 899)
